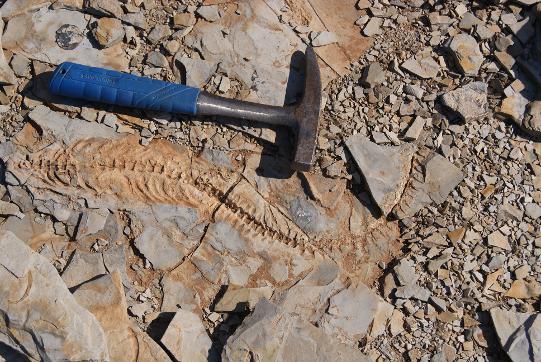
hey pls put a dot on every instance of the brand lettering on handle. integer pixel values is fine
(99, 78)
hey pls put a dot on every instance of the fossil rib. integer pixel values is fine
(159, 173)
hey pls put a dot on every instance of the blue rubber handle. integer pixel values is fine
(112, 87)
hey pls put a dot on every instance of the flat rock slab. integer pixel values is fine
(385, 169)
(466, 51)
(270, 334)
(58, 327)
(21, 31)
(519, 334)
(186, 338)
(469, 101)
(432, 179)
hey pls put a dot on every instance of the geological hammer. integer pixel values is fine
(126, 90)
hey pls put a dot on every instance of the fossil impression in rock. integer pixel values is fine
(122, 174)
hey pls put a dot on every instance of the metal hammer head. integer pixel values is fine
(306, 115)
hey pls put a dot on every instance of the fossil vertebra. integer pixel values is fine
(159, 173)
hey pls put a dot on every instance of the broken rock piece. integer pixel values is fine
(270, 334)
(108, 32)
(186, 338)
(469, 102)
(57, 328)
(531, 123)
(6, 73)
(426, 68)
(432, 179)
(385, 169)
(467, 54)
(519, 334)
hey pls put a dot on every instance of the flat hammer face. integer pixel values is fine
(112, 87)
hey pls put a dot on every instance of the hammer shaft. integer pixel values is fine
(211, 105)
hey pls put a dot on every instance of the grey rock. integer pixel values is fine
(157, 59)
(405, 272)
(467, 54)
(532, 120)
(6, 73)
(373, 75)
(57, 328)
(270, 334)
(105, 8)
(138, 20)
(239, 299)
(415, 129)
(533, 210)
(7, 208)
(373, 27)
(12, 8)
(83, 266)
(351, 312)
(196, 72)
(412, 291)
(158, 33)
(323, 38)
(186, 338)
(209, 13)
(162, 252)
(426, 68)
(20, 65)
(518, 333)
(468, 21)
(385, 169)
(439, 178)
(469, 101)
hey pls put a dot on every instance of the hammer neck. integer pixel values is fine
(211, 105)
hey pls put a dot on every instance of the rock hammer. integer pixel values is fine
(127, 90)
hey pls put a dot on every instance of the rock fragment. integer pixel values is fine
(6, 73)
(110, 8)
(7, 208)
(531, 123)
(240, 299)
(209, 13)
(158, 33)
(514, 107)
(467, 54)
(426, 67)
(157, 59)
(415, 129)
(196, 72)
(323, 38)
(183, 20)
(385, 169)
(272, 334)
(57, 328)
(498, 240)
(108, 32)
(469, 101)
(373, 27)
(519, 334)
(373, 75)
(186, 338)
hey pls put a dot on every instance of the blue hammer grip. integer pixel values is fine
(122, 89)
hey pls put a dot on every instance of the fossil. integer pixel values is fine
(126, 172)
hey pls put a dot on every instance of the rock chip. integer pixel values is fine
(160, 250)
(108, 32)
(469, 101)
(183, 20)
(467, 54)
(209, 13)
(532, 121)
(426, 68)
(158, 33)
(519, 334)
(195, 72)
(524, 289)
(6, 73)
(373, 75)
(514, 107)
(45, 320)
(186, 338)
(499, 240)
(270, 334)
(373, 27)
(324, 38)
(157, 59)
(105, 8)
(385, 169)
